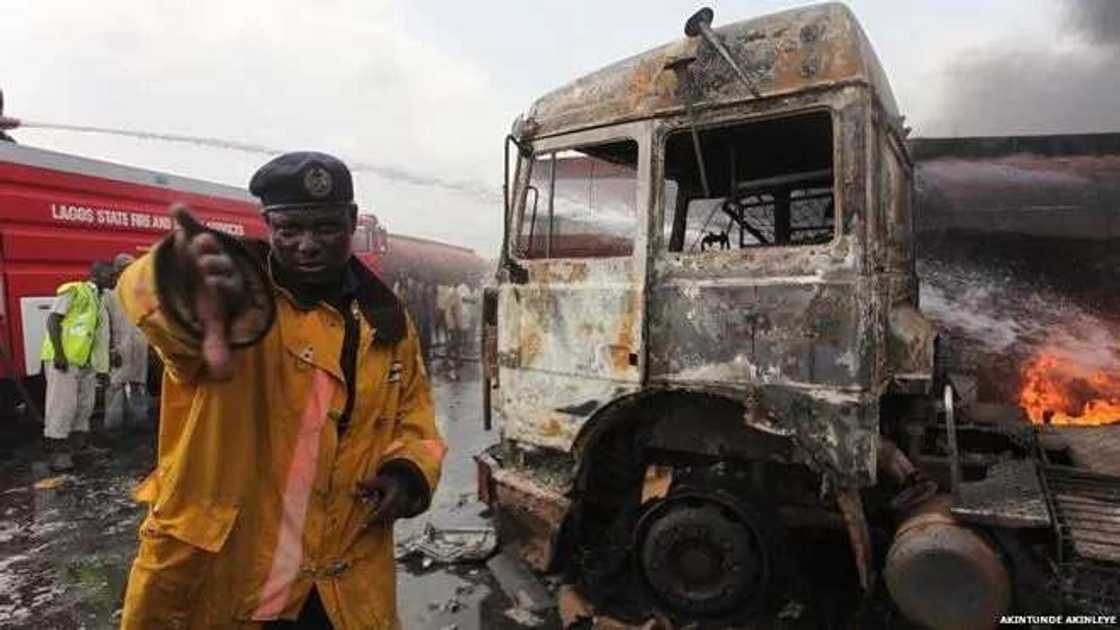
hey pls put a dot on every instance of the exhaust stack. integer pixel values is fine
(701, 24)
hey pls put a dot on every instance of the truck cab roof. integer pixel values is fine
(813, 47)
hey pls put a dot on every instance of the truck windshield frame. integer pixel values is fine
(635, 136)
(818, 180)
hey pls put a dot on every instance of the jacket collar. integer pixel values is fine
(376, 301)
(379, 305)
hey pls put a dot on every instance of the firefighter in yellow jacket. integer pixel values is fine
(296, 421)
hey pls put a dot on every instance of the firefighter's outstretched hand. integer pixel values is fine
(389, 495)
(219, 287)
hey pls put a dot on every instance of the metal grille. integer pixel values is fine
(1086, 515)
(1010, 496)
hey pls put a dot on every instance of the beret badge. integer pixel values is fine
(317, 182)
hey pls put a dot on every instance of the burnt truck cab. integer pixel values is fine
(705, 334)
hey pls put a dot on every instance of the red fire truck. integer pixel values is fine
(59, 213)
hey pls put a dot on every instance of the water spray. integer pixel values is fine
(393, 173)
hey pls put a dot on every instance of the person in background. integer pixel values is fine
(468, 320)
(474, 319)
(128, 380)
(76, 355)
(423, 315)
(441, 330)
(454, 349)
(431, 301)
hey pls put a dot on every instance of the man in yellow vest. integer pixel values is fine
(296, 420)
(75, 352)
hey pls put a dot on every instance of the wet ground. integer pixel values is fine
(66, 542)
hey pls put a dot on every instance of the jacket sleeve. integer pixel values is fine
(138, 297)
(416, 448)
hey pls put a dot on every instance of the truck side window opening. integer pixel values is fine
(771, 184)
(581, 203)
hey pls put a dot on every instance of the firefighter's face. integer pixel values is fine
(312, 245)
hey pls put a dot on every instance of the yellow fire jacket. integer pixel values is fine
(253, 499)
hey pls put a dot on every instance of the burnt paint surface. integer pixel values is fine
(570, 347)
(785, 330)
(570, 337)
(799, 335)
(788, 52)
(795, 332)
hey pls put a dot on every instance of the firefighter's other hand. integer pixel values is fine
(60, 363)
(102, 380)
(389, 495)
(219, 288)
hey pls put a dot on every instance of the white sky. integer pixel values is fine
(426, 87)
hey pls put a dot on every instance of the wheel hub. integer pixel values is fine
(703, 559)
(699, 565)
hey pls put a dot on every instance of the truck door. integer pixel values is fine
(570, 336)
(757, 281)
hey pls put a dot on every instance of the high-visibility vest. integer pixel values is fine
(79, 325)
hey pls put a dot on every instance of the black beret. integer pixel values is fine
(304, 179)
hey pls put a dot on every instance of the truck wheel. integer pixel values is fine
(702, 558)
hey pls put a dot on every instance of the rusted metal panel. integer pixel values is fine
(794, 332)
(792, 352)
(910, 349)
(531, 517)
(749, 323)
(570, 337)
(490, 352)
(578, 327)
(851, 506)
(657, 481)
(800, 335)
(808, 48)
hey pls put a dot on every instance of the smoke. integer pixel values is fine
(1062, 82)
(393, 173)
(1003, 321)
(1097, 21)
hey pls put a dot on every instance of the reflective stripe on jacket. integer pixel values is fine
(252, 501)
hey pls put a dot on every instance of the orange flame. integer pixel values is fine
(1061, 392)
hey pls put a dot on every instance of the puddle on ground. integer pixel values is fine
(65, 549)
